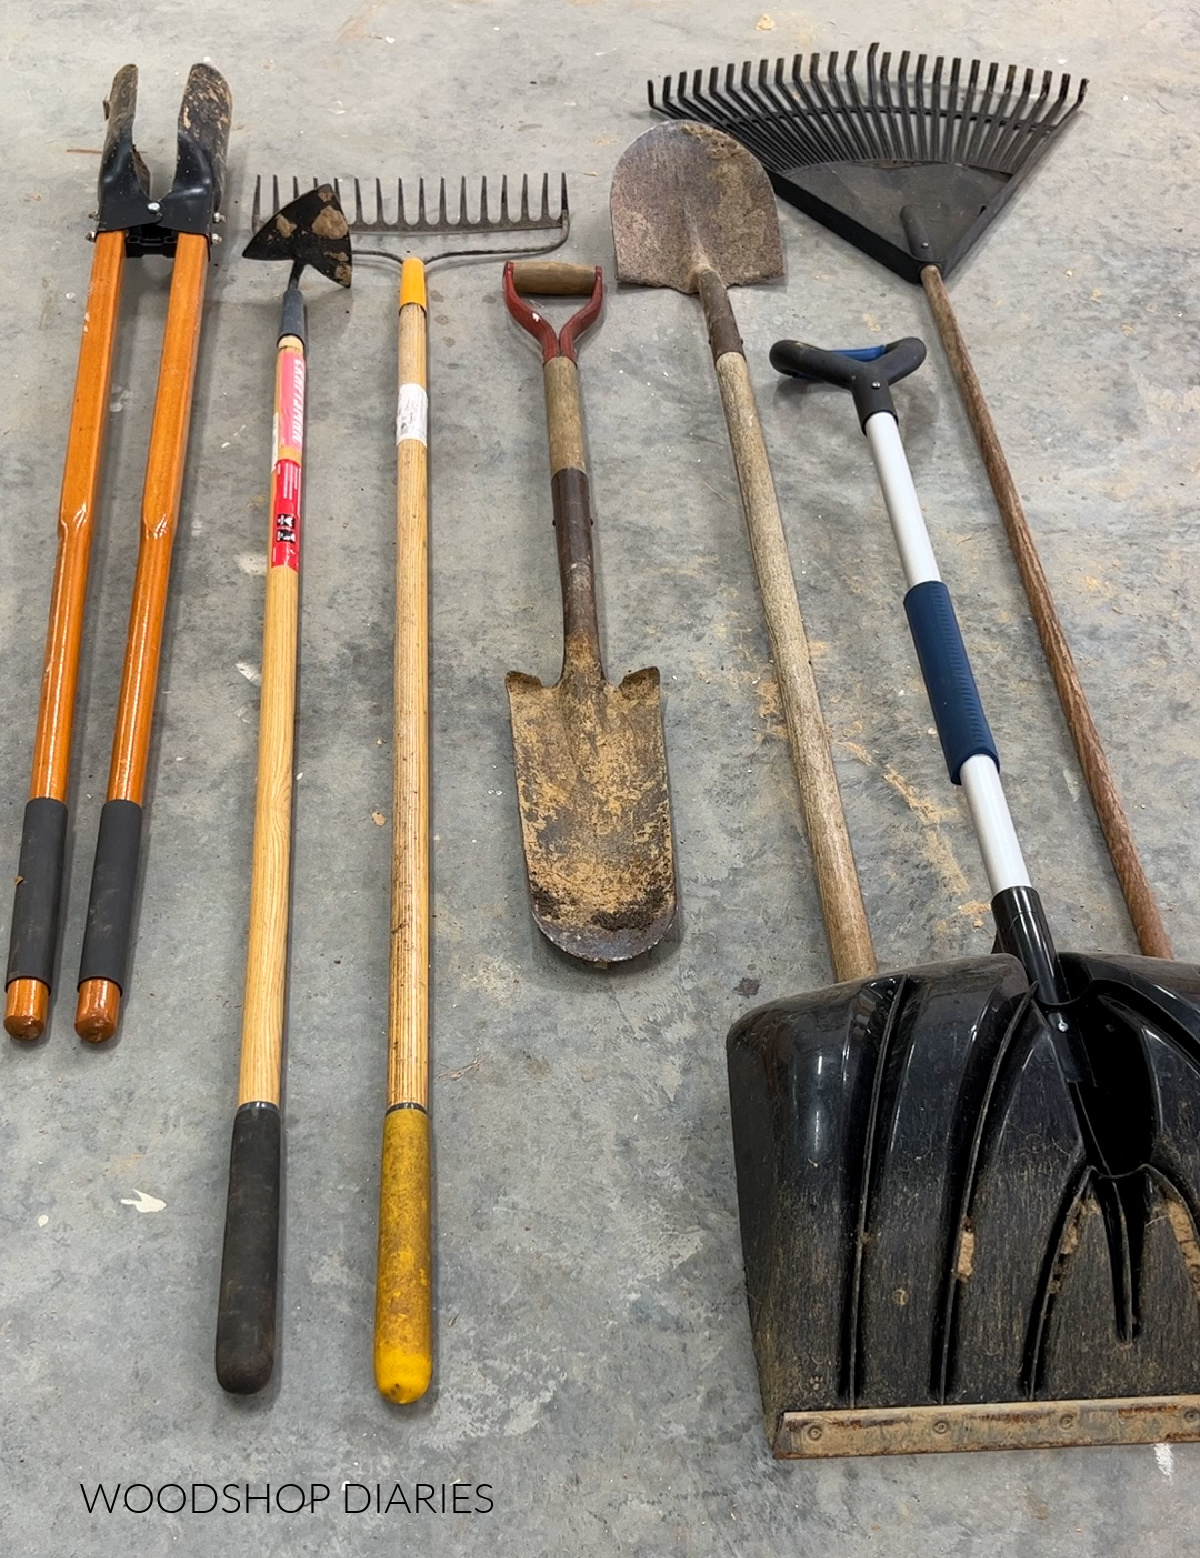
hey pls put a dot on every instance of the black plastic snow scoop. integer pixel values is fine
(970, 1191)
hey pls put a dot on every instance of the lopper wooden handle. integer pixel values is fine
(245, 1352)
(1135, 885)
(829, 841)
(114, 877)
(403, 1291)
(34, 936)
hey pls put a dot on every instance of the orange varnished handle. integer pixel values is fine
(35, 906)
(111, 906)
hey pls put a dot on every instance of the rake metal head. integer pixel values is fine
(856, 154)
(394, 218)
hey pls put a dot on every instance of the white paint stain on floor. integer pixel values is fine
(252, 562)
(1166, 1461)
(142, 1202)
(250, 671)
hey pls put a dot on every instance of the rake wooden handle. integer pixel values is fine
(34, 937)
(245, 1351)
(829, 841)
(403, 1291)
(114, 877)
(1135, 885)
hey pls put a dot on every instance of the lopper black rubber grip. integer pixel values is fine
(114, 882)
(953, 696)
(250, 1257)
(34, 936)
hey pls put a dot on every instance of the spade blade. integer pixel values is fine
(687, 198)
(311, 230)
(591, 769)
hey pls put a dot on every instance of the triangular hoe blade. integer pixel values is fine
(310, 230)
(946, 147)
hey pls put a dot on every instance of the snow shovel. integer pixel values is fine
(590, 758)
(691, 209)
(970, 1191)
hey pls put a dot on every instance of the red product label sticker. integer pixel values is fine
(289, 452)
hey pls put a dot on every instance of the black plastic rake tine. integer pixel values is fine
(952, 106)
(922, 111)
(987, 151)
(966, 123)
(971, 152)
(906, 118)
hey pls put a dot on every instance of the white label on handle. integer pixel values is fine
(412, 414)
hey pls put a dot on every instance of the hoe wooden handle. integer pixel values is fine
(403, 1292)
(245, 1353)
(114, 877)
(837, 879)
(1135, 885)
(34, 938)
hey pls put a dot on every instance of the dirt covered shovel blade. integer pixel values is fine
(686, 199)
(591, 770)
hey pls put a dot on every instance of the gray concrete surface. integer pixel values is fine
(593, 1352)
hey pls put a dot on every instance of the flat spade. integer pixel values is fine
(692, 210)
(590, 759)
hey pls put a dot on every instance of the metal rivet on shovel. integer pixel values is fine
(590, 758)
(912, 168)
(691, 209)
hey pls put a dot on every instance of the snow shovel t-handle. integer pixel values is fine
(970, 1191)
(591, 763)
(692, 210)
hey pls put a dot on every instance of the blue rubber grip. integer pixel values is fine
(953, 695)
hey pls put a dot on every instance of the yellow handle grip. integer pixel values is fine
(403, 1293)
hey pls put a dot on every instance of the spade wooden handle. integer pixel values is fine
(1135, 885)
(828, 839)
(403, 1289)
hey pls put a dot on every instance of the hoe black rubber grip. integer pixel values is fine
(953, 696)
(250, 1257)
(114, 883)
(36, 901)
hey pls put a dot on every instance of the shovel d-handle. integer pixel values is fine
(569, 486)
(34, 937)
(105, 954)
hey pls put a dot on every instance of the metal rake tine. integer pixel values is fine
(401, 220)
(256, 204)
(484, 220)
(274, 193)
(379, 222)
(525, 198)
(463, 217)
(442, 221)
(422, 219)
(564, 211)
(504, 200)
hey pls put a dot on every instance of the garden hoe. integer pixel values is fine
(692, 210)
(309, 231)
(970, 1191)
(912, 170)
(590, 759)
(404, 1283)
(128, 222)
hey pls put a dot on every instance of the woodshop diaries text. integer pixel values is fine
(288, 1498)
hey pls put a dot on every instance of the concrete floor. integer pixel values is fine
(593, 1351)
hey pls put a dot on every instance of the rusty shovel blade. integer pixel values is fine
(591, 769)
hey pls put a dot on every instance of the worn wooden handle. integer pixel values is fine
(110, 908)
(403, 1315)
(34, 936)
(1135, 885)
(553, 278)
(837, 879)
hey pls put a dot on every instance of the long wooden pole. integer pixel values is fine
(114, 878)
(1135, 885)
(39, 877)
(403, 1294)
(245, 1352)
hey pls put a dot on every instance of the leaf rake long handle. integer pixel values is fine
(114, 877)
(34, 937)
(829, 841)
(403, 1291)
(1135, 885)
(245, 1352)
